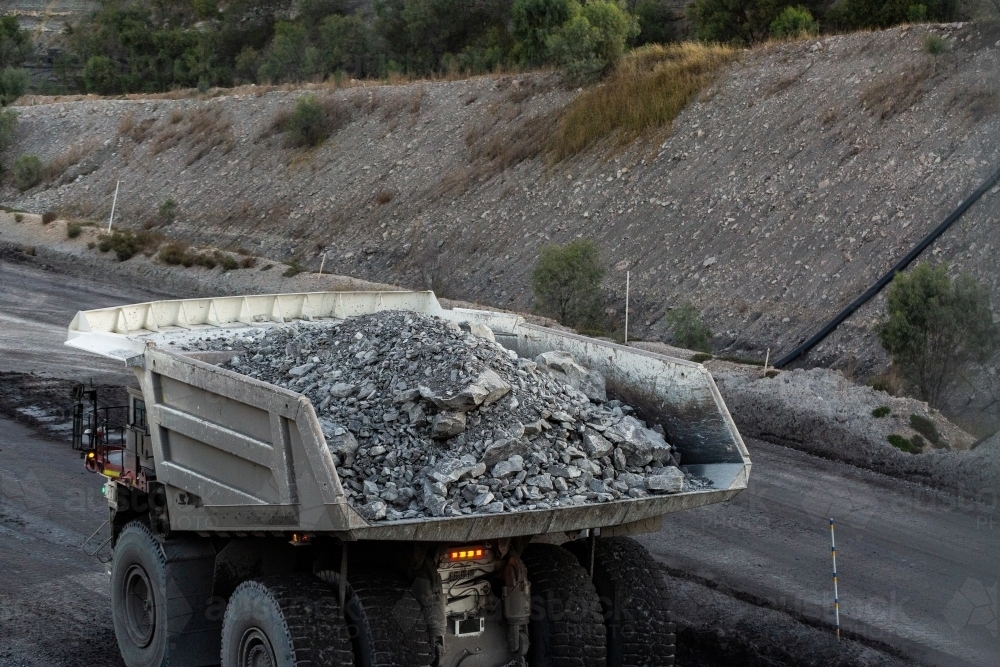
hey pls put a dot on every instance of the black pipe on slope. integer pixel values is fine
(887, 278)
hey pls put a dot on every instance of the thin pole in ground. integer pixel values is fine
(836, 597)
(321, 263)
(113, 203)
(627, 275)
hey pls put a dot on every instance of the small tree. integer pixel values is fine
(593, 40)
(27, 171)
(690, 331)
(794, 22)
(937, 328)
(534, 21)
(566, 283)
(307, 126)
(13, 83)
(100, 75)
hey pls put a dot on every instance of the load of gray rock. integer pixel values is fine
(426, 417)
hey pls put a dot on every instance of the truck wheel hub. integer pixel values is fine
(255, 650)
(140, 609)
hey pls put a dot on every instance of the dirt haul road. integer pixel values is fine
(918, 570)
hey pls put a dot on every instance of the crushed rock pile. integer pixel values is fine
(426, 417)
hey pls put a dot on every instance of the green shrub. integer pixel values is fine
(28, 171)
(347, 44)
(794, 22)
(124, 243)
(8, 128)
(901, 443)
(937, 329)
(882, 411)
(916, 13)
(935, 45)
(285, 60)
(15, 42)
(173, 254)
(592, 40)
(73, 229)
(866, 14)
(206, 260)
(100, 76)
(741, 22)
(294, 269)
(13, 83)
(700, 357)
(926, 428)
(307, 125)
(227, 262)
(167, 212)
(656, 22)
(533, 22)
(566, 283)
(690, 331)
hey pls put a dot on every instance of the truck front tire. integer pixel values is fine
(635, 602)
(138, 607)
(566, 629)
(285, 621)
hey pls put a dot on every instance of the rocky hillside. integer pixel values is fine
(783, 192)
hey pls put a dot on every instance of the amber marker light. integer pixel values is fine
(468, 553)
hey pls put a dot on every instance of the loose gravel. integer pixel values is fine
(430, 418)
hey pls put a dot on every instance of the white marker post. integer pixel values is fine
(627, 274)
(113, 203)
(322, 261)
(836, 597)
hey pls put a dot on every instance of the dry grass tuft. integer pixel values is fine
(495, 147)
(977, 104)
(646, 91)
(897, 92)
(203, 129)
(73, 156)
(136, 131)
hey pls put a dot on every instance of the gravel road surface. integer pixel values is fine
(54, 600)
(917, 569)
(36, 307)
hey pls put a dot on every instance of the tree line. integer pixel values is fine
(129, 47)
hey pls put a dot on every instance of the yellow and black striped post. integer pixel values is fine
(836, 598)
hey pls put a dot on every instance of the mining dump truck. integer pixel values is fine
(233, 539)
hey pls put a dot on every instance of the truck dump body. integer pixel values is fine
(238, 455)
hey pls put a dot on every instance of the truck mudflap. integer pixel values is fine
(238, 455)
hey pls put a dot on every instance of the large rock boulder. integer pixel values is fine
(564, 368)
(640, 445)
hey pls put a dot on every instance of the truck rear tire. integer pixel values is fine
(566, 629)
(386, 622)
(285, 621)
(634, 598)
(138, 606)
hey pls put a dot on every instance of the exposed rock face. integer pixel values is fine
(428, 418)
